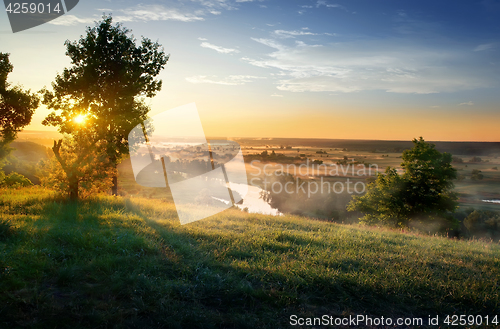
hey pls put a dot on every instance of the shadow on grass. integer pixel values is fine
(108, 262)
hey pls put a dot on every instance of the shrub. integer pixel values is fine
(423, 192)
(14, 180)
(476, 175)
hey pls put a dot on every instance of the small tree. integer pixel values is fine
(109, 78)
(16, 107)
(423, 192)
(78, 168)
(476, 174)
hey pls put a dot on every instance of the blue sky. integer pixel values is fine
(319, 69)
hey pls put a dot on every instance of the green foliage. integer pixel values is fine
(25, 160)
(476, 174)
(16, 107)
(79, 168)
(481, 223)
(109, 78)
(384, 200)
(423, 192)
(14, 180)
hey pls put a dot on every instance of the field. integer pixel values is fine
(381, 154)
(127, 262)
(31, 147)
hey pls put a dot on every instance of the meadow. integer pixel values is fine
(382, 154)
(126, 262)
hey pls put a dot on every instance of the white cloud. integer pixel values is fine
(202, 39)
(291, 34)
(269, 43)
(68, 20)
(134, 14)
(155, 13)
(469, 103)
(303, 44)
(484, 47)
(219, 49)
(145, 12)
(328, 5)
(220, 4)
(232, 80)
(224, 4)
(297, 33)
(392, 65)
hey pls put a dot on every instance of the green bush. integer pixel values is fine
(476, 175)
(424, 192)
(14, 180)
(483, 223)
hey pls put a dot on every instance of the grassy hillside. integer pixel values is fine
(127, 262)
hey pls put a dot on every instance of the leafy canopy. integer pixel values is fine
(106, 84)
(423, 191)
(16, 107)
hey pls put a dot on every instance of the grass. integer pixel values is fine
(128, 263)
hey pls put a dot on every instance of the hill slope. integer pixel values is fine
(119, 262)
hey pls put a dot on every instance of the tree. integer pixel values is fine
(109, 78)
(16, 107)
(423, 192)
(79, 167)
(476, 174)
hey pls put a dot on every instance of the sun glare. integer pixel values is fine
(80, 119)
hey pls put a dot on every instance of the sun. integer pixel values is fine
(80, 119)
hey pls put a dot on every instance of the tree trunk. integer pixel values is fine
(73, 189)
(114, 189)
(72, 180)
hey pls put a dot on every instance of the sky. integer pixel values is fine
(392, 70)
